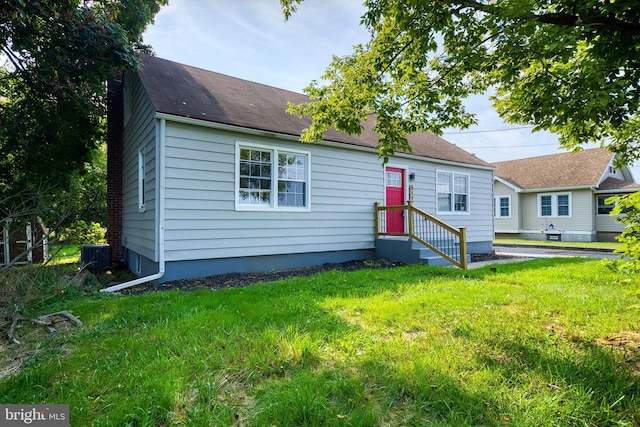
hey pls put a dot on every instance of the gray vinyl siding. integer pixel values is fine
(139, 228)
(478, 220)
(201, 221)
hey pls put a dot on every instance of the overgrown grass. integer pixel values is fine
(407, 346)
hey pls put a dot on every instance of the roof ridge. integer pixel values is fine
(554, 155)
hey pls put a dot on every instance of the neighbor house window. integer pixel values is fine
(142, 164)
(272, 178)
(604, 208)
(452, 192)
(554, 205)
(503, 207)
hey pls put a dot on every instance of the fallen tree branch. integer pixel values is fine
(15, 319)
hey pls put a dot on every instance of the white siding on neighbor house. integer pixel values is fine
(581, 218)
(507, 224)
(201, 221)
(139, 228)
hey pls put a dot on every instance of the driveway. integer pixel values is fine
(541, 251)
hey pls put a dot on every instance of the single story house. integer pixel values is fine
(207, 175)
(560, 196)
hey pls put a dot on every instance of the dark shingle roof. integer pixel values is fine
(186, 91)
(611, 183)
(581, 169)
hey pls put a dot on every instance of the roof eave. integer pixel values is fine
(617, 191)
(556, 189)
(296, 138)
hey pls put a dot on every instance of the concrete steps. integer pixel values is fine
(412, 252)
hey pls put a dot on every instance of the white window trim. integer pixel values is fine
(274, 191)
(496, 204)
(554, 205)
(142, 179)
(453, 201)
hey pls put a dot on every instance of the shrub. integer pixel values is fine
(627, 211)
(81, 233)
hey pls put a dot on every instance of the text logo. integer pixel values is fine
(34, 415)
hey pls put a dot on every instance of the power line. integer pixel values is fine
(469, 147)
(488, 130)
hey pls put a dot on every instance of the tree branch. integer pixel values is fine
(606, 22)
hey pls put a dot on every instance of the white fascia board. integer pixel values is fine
(296, 138)
(605, 175)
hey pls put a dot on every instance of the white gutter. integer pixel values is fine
(161, 219)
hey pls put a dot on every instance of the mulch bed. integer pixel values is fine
(237, 280)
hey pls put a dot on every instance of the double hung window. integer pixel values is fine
(272, 178)
(554, 205)
(604, 208)
(452, 192)
(503, 207)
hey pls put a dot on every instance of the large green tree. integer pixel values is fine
(568, 66)
(56, 57)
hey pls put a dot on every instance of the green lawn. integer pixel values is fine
(64, 253)
(413, 346)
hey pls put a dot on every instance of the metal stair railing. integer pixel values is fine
(447, 241)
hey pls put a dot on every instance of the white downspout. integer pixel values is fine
(161, 220)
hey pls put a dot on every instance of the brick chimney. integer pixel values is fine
(115, 122)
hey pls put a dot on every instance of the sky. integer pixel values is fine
(250, 39)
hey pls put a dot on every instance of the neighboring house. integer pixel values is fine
(214, 179)
(560, 196)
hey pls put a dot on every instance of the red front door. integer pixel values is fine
(394, 180)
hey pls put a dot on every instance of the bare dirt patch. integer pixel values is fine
(627, 342)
